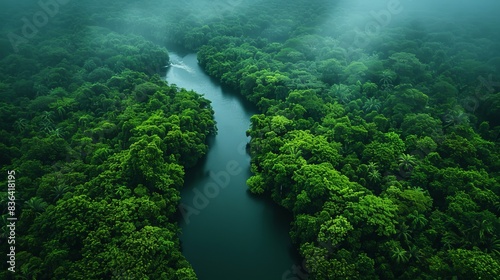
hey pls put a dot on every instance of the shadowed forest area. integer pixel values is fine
(378, 129)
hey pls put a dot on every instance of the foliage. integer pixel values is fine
(397, 146)
(386, 155)
(102, 150)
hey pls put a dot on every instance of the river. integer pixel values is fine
(227, 233)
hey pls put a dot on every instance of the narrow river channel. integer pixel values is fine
(227, 233)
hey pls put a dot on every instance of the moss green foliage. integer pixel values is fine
(99, 143)
(387, 155)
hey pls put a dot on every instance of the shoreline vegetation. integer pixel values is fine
(387, 154)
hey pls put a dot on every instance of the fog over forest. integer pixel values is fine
(368, 139)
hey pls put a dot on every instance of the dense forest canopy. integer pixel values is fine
(378, 130)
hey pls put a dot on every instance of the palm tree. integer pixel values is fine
(36, 204)
(493, 246)
(46, 122)
(374, 176)
(404, 233)
(60, 110)
(497, 205)
(406, 162)
(372, 166)
(20, 124)
(386, 79)
(418, 219)
(399, 254)
(84, 120)
(58, 191)
(456, 117)
(450, 239)
(46, 127)
(55, 132)
(414, 252)
(47, 116)
(30, 271)
(343, 93)
(372, 104)
(482, 227)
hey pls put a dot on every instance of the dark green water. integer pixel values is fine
(227, 232)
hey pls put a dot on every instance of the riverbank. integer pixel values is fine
(227, 232)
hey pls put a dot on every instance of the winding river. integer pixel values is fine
(227, 233)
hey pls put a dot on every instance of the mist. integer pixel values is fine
(250, 139)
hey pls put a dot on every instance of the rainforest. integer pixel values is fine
(249, 139)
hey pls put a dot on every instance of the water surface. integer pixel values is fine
(227, 232)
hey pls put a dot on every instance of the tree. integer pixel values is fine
(483, 227)
(321, 183)
(21, 124)
(374, 176)
(47, 150)
(405, 100)
(146, 165)
(58, 191)
(372, 104)
(355, 71)
(456, 117)
(112, 190)
(406, 162)
(407, 66)
(404, 233)
(342, 93)
(490, 109)
(309, 99)
(387, 78)
(305, 228)
(256, 184)
(411, 201)
(378, 213)
(421, 125)
(418, 220)
(384, 150)
(36, 205)
(399, 254)
(330, 70)
(469, 264)
(334, 231)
